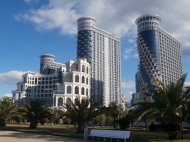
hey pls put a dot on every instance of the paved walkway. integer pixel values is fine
(14, 136)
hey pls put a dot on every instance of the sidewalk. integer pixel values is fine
(14, 136)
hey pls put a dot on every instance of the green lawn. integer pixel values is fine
(139, 134)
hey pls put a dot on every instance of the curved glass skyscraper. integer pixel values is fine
(159, 53)
(102, 51)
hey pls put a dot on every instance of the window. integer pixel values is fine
(76, 66)
(86, 92)
(68, 89)
(87, 80)
(68, 101)
(60, 101)
(87, 70)
(83, 68)
(76, 78)
(83, 79)
(76, 90)
(82, 91)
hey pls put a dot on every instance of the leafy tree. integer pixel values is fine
(34, 112)
(115, 111)
(170, 104)
(100, 118)
(109, 119)
(81, 112)
(7, 108)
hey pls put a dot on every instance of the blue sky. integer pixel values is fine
(29, 28)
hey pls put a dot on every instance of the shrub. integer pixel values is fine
(123, 123)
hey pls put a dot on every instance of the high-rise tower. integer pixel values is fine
(102, 51)
(159, 53)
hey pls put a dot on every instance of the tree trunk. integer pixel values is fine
(114, 123)
(80, 129)
(177, 134)
(180, 132)
(146, 125)
(33, 124)
(2, 123)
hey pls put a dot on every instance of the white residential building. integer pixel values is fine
(102, 51)
(59, 82)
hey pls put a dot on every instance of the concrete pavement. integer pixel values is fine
(14, 136)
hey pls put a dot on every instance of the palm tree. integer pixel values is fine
(170, 103)
(81, 112)
(115, 111)
(34, 112)
(7, 107)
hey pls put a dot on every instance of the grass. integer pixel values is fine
(139, 134)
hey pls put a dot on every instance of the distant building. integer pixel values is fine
(135, 98)
(159, 52)
(102, 51)
(59, 82)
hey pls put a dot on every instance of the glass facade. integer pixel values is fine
(84, 45)
(159, 54)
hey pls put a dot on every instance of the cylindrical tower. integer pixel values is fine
(46, 60)
(86, 23)
(148, 49)
(148, 22)
(85, 37)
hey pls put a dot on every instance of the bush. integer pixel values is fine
(164, 127)
(42, 121)
(123, 123)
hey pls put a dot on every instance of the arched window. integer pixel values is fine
(83, 79)
(76, 90)
(87, 80)
(68, 101)
(42, 95)
(60, 101)
(86, 92)
(83, 68)
(82, 91)
(86, 69)
(68, 89)
(76, 78)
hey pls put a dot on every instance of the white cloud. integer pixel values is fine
(129, 53)
(11, 77)
(136, 55)
(131, 40)
(7, 95)
(187, 83)
(112, 16)
(30, 1)
(129, 84)
(128, 96)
